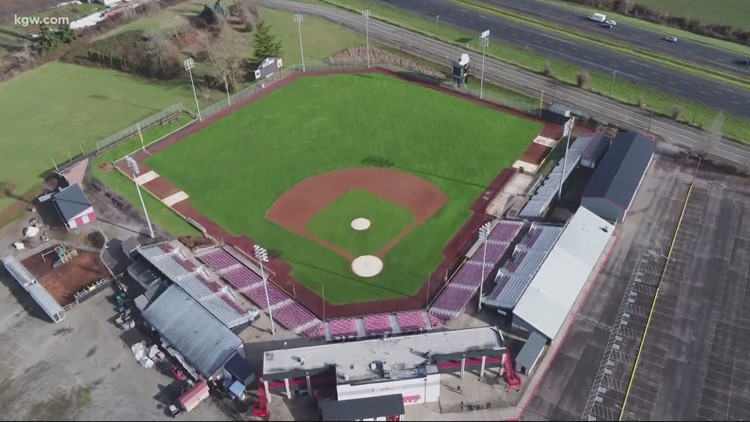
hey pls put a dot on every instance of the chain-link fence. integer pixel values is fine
(493, 97)
(143, 125)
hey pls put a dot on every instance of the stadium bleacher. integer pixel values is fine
(377, 324)
(343, 327)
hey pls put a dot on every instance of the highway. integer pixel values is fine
(500, 73)
(689, 51)
(585, 54)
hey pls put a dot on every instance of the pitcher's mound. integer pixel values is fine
(367, 266)
(360, 224)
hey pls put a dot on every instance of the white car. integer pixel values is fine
(670, 38)
(610, 22)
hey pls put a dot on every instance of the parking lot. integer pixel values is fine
(694, 363)
(588, 376)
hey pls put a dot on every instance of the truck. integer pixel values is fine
(598, 17)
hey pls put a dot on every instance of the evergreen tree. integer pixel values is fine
(221, 8)
(66, 34)
(47, 40)
(265, 43)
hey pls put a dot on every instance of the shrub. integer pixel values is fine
(677, 111)
(583, 78)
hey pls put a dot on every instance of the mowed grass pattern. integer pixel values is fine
(235, 169)
(59, 108)
(387, 220)
(728, 12)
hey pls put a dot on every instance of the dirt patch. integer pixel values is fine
(195, 241)
(106, 166)
(358, 56)
(67, 279)
(295, 208)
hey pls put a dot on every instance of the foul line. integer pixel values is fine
(653, 304)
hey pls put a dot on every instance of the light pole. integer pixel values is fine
(189, 65)
(567, 130)
(226, 85)
(437, 25)
(136, 171)
(261, 254)
(485, 40)
(484, 233)
(612, 87)
(298, 20)
(366, 16)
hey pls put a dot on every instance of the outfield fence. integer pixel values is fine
(516, 104)
(143, 125)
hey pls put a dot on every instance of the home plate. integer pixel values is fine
(367, 266)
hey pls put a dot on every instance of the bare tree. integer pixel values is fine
(162, 56)
(713, 135)
(225, 59)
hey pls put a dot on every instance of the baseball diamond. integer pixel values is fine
(292, 170)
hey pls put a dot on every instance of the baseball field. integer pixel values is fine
(295, 169)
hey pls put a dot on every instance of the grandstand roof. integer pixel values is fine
(167, 258)
(620, 172)
(203, 341)
(538, 204)
(71, 202)
(403, 353)
(513, 278)
(550, 295)
(596, 147)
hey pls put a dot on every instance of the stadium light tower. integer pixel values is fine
(298, 18)
(485, 40)
(262, 255)
(567, 129)
(484, 233)
(366, 16)
(136, 171)
(189, 65)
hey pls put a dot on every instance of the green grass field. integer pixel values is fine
(728, 12)
(387, 221)
(60, 108)
(240, 165)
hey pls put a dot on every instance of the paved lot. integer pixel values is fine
(77, 369)
(587, 374)
(694, 363)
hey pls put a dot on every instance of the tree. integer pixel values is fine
(713, 135)
(47, 40)
(225, 59)
(162, 57)
(265, 43)
(66, 34)
(583, 79)
(221, 8)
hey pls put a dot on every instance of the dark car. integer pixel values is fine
(670, 38)
(607, 25)
(743, 62)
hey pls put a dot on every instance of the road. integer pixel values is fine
(586, 55)
(689, 51)
(497, 72)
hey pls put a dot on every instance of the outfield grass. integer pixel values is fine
(623, 91)
(159, 214)
(240, 165)
(387, 219)
(727, 12)
(59, 108)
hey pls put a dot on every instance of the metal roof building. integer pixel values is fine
(530, 352)
(618, 176)
(550, 295)
(73, 206)
(595, 149)
(170, 259)
(538, 205)
(204, 343)
(40, 295)
(516, 274)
